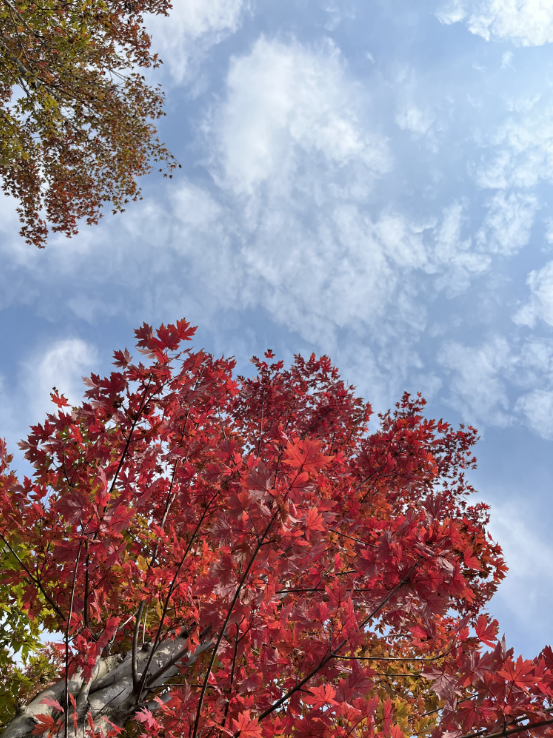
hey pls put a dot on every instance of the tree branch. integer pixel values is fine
(511, 731)
(35, 581)
(333, 654)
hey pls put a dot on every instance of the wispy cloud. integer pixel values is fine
(477, 389)
(508, 222)
(518, 152)
(25, 400)
(287, 104)
(525, 595)
(528, 22)
(194, 26)
(540, 305)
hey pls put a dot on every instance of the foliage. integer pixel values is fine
(233, 556)
(19, 683)
(75, 110)
(19, 634)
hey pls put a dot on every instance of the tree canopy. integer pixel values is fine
(76, 111)
(243, 556)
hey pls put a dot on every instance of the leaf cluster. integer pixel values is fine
(243, 556)
(76, 113)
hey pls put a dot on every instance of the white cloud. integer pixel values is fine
(519, 153)
(26, 400)
(415, 120)
(286, 103)
(527, 22)
(500, 383)
(301, 227)
(477, 387)
(451, 12)
(540, 304)
(454, 260)
(507, 60)
(526, 591)
(537, 408)
(191, 29)
(338, 11)
(62, 366)
(508, 222)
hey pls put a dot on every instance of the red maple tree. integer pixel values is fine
(233, 556)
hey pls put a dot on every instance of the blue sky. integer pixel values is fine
(368, 180)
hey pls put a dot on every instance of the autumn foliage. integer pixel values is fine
(76, 113)
(243, 556)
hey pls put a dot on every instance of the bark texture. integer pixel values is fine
(110, 693)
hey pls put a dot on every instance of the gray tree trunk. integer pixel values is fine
(110, 692)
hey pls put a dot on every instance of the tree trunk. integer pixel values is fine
(110, 693)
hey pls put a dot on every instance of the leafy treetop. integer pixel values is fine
(75, 110)
(241, 556)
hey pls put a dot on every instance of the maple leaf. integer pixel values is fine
(519, 674)
(418, 631)
(72, 506)
(185, 331)
(313, 522)
(321, 696)
(145, 336)
(443, 684)
(146, 717)
(115, 729)
(58, 399)
(109, 631)
(121, 358)
(44, 724)
(306, 455)
(387, 715)
(486, 630)
(246, 726)
(470, 560)
(52, 703)
(260, 479)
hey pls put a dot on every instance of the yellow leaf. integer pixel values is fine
(143, 563)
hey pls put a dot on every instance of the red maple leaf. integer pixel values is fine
(52, 703)
(44, 723)
(313, 522)
(247, 727)
(520, 673)
(321, 696)
(306, 455)
(486, 630)
(59, 399)
(146, 717)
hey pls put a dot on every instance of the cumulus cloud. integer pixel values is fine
(26, 399)
(286, 103)
(519, 152)
(477, 387)
(501, 383)
(324, 270)
(62, 365)
(540, 304)
(191, 29)
(411, 118)
(527, 22)
(525, 593)
(341, 269)
(537, 409)
(454, 260)
(292, 215)
(507, 225)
